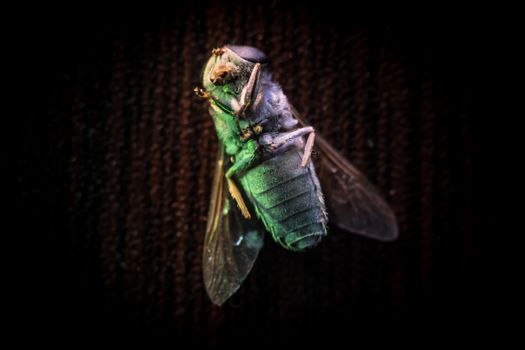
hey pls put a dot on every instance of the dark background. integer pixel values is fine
(114, 168)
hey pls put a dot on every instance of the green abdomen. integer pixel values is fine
(287, 199)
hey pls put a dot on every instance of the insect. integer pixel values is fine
(265, 180)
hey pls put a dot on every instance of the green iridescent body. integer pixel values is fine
(264, 178)
(285, 196)
(288, 199)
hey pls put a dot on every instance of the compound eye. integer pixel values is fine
(249, 53)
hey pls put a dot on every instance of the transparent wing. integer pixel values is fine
(353, 203)
(231, 243)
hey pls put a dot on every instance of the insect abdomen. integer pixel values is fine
(288, 200)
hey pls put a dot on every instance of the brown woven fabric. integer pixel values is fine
(128, 154)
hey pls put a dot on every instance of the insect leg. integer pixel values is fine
(286, 138)
(248, 90)
(240, 165)
(308, 148)
(236, 195)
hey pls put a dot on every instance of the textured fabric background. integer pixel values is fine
(117, 156)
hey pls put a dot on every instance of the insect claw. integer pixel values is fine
(245, 136)
(219, 51)
(201, 93)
